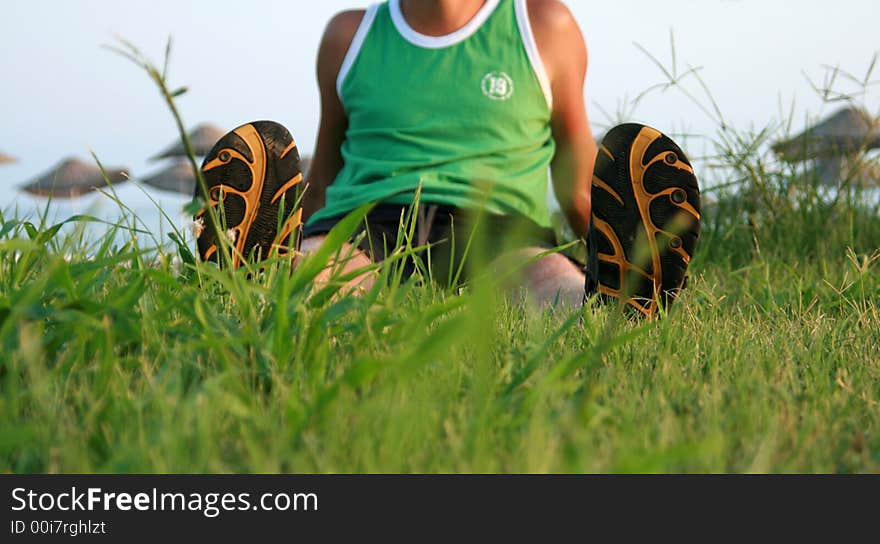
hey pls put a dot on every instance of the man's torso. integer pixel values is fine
(464, 118)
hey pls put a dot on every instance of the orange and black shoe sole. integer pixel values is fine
(645, 222)
(253, 177)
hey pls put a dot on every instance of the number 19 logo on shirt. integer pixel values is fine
(497, 86)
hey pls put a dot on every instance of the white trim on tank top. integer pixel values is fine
(439, 42)
(355, 48)
(528, 37)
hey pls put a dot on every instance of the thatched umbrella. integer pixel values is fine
(6, 159)
(837, 145)
(202, 138)
(850, 130)
(178, 178)
(73, 177)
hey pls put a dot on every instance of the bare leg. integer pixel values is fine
(551, 280)
(349, 259)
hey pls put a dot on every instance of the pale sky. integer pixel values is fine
(61, 94)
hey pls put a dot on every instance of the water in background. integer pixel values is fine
(136, 197)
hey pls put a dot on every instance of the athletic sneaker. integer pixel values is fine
(255, 172)
(646, 219)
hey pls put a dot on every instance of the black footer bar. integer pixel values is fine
(416, 508)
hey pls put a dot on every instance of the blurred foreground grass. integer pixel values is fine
(111, 361)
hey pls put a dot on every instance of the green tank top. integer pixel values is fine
(465, 116)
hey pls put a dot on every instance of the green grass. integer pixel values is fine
(112, 361)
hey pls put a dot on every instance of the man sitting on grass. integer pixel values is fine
(469, 104)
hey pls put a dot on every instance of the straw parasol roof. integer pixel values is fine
(202, 138)
(6, 159)
(178, 177)
(847, 132)
(73, 177)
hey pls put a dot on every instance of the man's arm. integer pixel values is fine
(564, 52)
(327, 160)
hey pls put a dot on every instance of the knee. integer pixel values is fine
(348, 259)
(311, 244)
(547, 280)
(532, 266)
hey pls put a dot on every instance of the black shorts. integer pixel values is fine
(455, 236)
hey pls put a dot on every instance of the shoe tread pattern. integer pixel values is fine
(255, 172)
(646, 218)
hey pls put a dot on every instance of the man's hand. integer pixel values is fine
(564, 52)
